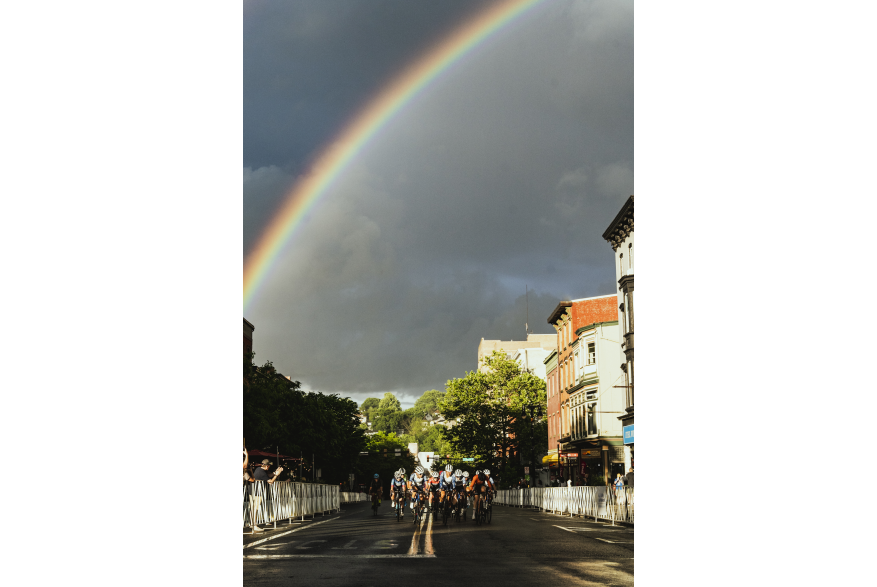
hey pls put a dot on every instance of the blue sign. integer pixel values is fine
(628, 434)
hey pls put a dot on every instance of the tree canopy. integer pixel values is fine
(278, 415)
(500, 414)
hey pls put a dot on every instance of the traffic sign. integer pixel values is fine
(465, 460)
(526, 470)
(628, 434)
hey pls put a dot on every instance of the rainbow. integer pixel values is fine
(334, 160)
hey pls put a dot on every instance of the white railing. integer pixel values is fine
(350, 496)
(593, 502)
(269, 503)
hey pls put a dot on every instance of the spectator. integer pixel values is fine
(261, 474)
(569, 482)
(628, 479)
(619, 486)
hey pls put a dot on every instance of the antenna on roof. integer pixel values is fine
(527, 301)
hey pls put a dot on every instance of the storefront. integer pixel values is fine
(628, 448)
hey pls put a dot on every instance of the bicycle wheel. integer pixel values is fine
(446, 513)
(489, 514)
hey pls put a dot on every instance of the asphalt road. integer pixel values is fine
(519, 546)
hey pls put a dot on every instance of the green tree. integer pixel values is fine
(278, 415)
(428, 403)
(390, 402)
(368, 406)
(384, 462)
(494, 408)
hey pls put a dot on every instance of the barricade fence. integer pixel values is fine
(594, 502)
(350, 496)
(269, 503)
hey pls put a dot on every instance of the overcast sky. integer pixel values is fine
(504, 173)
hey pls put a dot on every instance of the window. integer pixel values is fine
(592, 353)
(592, 418)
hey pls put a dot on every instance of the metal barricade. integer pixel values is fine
(600, 503)
(269, 503)
(351, 496)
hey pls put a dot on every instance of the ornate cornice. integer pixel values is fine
(621, 226)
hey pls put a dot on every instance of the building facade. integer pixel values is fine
(620, 237)
(512, 348)
(588, 398)
(554, 419)
(248, 336)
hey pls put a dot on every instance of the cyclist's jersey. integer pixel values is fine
(375, 485)
(446, 482)
(397, 485)
(415, 482)
(459, 484)
(479, 480)
(433, 484)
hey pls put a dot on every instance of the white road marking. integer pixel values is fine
(275, 546)
(613, 541)
(346, 546)
(303, 547)
(567, 529)
(429, 550)
(415, 539)
(252, 544)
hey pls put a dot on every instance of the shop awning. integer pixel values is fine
(549, 459)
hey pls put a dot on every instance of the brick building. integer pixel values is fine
(583, 401)
(248, 336)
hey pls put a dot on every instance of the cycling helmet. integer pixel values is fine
(435, 473)
(402, 470)
(376, 475)
(477, 472)
(449, 468)
(486, 472)
(418, 470)
(465, 474)
(397, 474)
(458, 473)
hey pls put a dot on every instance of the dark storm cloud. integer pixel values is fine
(504, 174)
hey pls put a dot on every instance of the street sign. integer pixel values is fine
(465, 460)
(628, 434)
(526, 470)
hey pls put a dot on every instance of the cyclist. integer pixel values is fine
(397, 491)
(466, 491)
(416, 484)
(491, 486)
(404, 480)
(432, 487)
(459, 490)
(478, 485)
(375, 489)
(447, 484)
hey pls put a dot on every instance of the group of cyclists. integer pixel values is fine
(450, 493)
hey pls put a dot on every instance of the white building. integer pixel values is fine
(529, 353)
(620, 237)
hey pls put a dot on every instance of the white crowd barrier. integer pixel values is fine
(350, 496)
(596, 502)
(269, 503)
